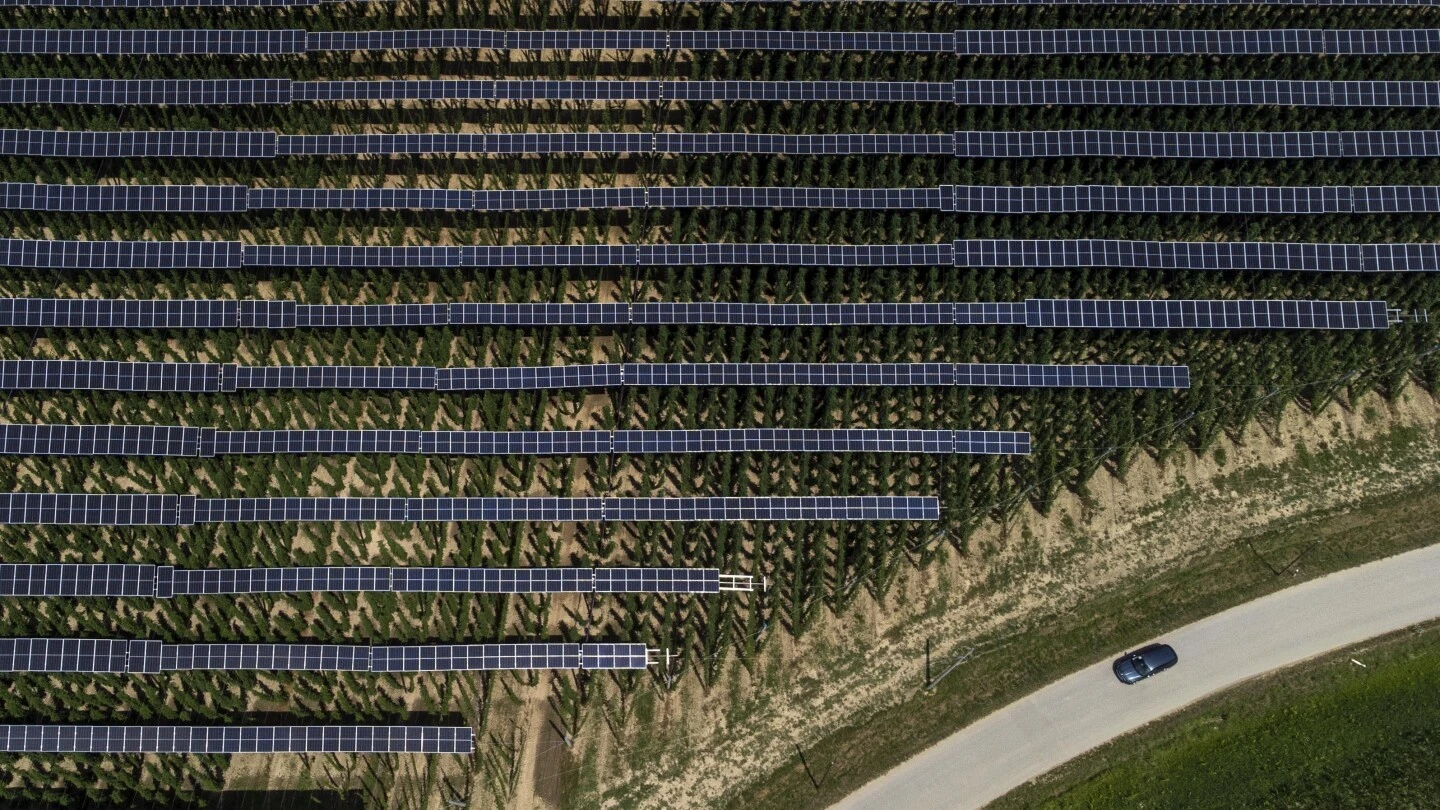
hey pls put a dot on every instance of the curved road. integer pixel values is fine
(1015, 744)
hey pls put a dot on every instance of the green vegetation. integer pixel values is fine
(1325, 734)
(1050, 647)
(813, 567)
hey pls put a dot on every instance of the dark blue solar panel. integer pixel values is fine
(41, 739)
(1228, 92)
(62, 655)
(57, 143)
(98, 440)
(1207, 314)
(112, 92)
(103, 255)
(76, 579)
(117, 313)
(175, 198)
(98, 375)
(607, 90)
(151, 41)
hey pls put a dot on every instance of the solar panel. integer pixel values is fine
(36, 508)
(131, 92)
(200, 144)
(340, 579)
(268, 315)
(989, 313)
(583, 90)
(76, 579)
(560, 510)
(35, 739)
(614, 143)
(493, 580)
(377, 378)
(371, 315)
(1178, 92)
(614, 656)
(471, 657)
(1288, 256)
(1172, 199)
(1095, 376)
(1207, 314)
(107, 375)
(826, 374)
(657, 580)
(352, 256)
(518, 442)
(265, 442)
(782, 440)
(182, 199)
(62, 655)
(276, 657)
(98, 440)
(107, 255)
(466, 314)
(110, 313)
(474, 39)
(791, 314)
(1195, 41)
(150, 41)
(529, 378)
(869, 507)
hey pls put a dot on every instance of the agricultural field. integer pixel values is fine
(524, 720)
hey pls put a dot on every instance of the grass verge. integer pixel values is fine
(1286, 553)
(1325, 733)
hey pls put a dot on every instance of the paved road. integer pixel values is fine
(1000, 752)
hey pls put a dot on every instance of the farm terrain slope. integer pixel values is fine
(742, 657)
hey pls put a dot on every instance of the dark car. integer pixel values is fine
(1144, 662)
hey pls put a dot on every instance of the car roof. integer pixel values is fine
(1157, 654)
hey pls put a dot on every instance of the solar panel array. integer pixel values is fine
(979, 144)
(1208, 314)
(104, 375)
(34, 508)
(1266, 256)
(118, 656)
(1402, 3)
(115, 580)
(226, 314)
(964, 199)
(1193, 199)
(147, 440)
(978, 42)
(1219, 145)
(37, 739)
(970, 92)
(1189, 92)
(1196, 41)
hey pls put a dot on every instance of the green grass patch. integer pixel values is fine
(1287, 553)
(1324, 734)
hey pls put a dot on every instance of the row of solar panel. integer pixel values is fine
(230, 199)
(132, 92)
(35, 508)
(150, 440)
(164, 582)
(970, 144)
(190, 3)
(119, 656)
(1401, 257)
(58, 739)
(111, 375)
(977, 42)
(113, 313)
(295, 41)
(969, 92)
(963, 199)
